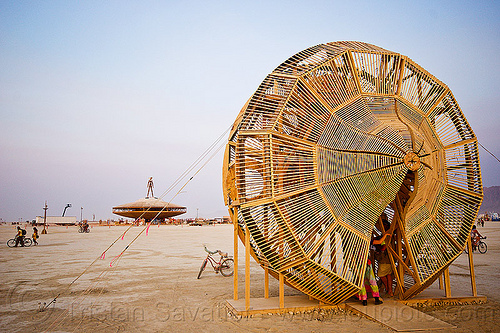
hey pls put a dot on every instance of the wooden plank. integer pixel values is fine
(235, 258)
(401, 72)
(291, 264)
(434, 295)
(442, 300)
(266, 282)
(403, 237)
(354, 71)
(472, 194)
(447, 288)
(247, 269)
(443, 94)
(447, 235)
(282, 290)
(298, 303)
(471, 267)
(460, 143)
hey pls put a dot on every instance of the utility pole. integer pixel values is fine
(44, 231)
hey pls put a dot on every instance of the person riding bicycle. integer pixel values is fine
(475, 236)
(85, 226)
(20, 236)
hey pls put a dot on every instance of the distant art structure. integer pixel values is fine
(336, 137)
(149, 208)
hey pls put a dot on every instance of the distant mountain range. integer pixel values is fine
(491, 200)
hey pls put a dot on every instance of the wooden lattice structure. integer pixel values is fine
(334, 137)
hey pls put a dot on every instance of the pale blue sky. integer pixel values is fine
(97, 96)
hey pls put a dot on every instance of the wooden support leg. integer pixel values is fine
(441, 282)
(401, 272)
(447, 288)
(282, 291)
(235, 256)
(247, 269)
(471, 268)
(266, 282)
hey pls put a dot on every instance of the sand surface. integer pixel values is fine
(153, 286)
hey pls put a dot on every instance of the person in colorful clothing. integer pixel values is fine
(20, 236)
(475, 237)
(35, 235)
(371, 284)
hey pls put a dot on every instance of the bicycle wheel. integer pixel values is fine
(202, 268)
(27, 241)
(11, 242)
(482, 247)
(227, 267)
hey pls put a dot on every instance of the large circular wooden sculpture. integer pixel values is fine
(335, 138)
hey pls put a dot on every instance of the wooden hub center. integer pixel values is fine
(412, 161)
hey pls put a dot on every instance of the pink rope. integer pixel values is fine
(118, 256)
(114, 259)
(147, 230)
(103, 255)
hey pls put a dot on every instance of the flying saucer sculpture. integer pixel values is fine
(336, 136)
(149, 208)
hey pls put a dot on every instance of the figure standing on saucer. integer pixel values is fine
(150, 187)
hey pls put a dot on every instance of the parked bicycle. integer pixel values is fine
(225, 265)
(481, 246)
(12, 242)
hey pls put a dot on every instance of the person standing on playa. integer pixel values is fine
(35, 235)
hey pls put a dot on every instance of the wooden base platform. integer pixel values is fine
(271, 305)
(394, 314)
(398, 316)
(432, 296)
